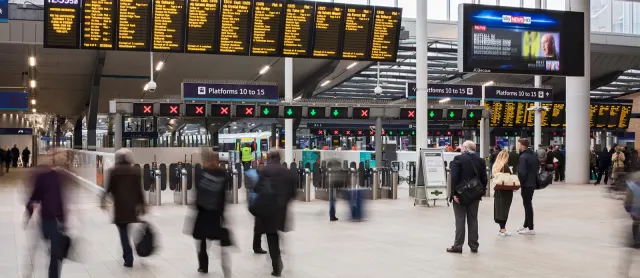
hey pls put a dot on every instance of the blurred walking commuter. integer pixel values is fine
(503, 195)
(7, 160)
(617, 162)
(210, 205)
(26, 154)
(528, 175)
(560, 161)
(593, 162)
(48, 195)
(604, 162)
(15, 153)
(275, 190)
(549, 165)
(468, 172)
(125, 188)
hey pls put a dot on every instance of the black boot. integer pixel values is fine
(277, 267)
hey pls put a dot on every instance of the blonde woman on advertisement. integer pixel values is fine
(503, 196)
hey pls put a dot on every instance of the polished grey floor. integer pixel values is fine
(579, 234)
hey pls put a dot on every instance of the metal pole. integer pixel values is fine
(288, 123)
(378, 141)
(537, 129)
(307, 185)
(375, 184)
(117, 140)
(157, 189)
(234, 192)
(422, 76)
(484, 134)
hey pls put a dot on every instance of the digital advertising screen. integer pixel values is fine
(520, 41)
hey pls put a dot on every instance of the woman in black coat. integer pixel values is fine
(210, 204)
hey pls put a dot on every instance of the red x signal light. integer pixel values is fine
(173, 109)
(199, 109)
(146, 109)
(248, 111)
(224, 110)
(411, 113)
(336, 132)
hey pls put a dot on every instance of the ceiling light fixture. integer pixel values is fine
(32, 83)
(159, 66)
(444, 100)
(352, 65)
(264, 69)
(32, 61)
(33, 110)
(146, 87)
(488, 83)
(325, 83)
(33, 101)
(298, 98)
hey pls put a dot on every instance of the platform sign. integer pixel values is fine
(518, 94)
(143, 109)
(292, 112)
(195, 110)
(245, 111)
(169, 109)
(221, 110)
(438, 90)
(230, 92)
(269, 111)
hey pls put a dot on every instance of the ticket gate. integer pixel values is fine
(181, 187)
(234, 185)
(303, 189)
(389, 180)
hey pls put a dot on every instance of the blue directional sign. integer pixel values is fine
(4, 11)
(230, 92)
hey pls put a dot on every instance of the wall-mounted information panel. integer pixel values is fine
(279, 28)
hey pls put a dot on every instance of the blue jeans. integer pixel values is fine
(127, 253)
(50, 232)
(332, 203)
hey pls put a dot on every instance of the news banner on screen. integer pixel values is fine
(520, 41)
(278, 28)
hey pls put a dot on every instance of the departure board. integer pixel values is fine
(357, 30)
(509, 114)
(386, 33)
(328, 31)
(557, 115)
(298, 24)
(603, 115)
(521, 114)
(168, 25)
(267, 18)
(202, 22)
(98, 24)
(625, 116)
(497, 109)
(234, 27)
(531, 116)
(614, 116)
(593, 114)
(62, 19)
(134, 24)
(545, 114)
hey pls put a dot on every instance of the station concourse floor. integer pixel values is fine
(579, 234)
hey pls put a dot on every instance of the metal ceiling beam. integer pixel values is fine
(309, 85)
(94, 95)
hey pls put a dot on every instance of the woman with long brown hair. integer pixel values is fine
(210, 205)
(503, 195)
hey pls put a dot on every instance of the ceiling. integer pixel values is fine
(612, 74)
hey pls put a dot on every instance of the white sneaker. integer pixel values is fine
(519, 230)
(527, 232)
(504, 234)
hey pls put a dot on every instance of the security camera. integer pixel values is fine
(378, 90)
(151, 86)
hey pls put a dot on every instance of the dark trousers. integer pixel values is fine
(7, 165)
(257, 235)
(559, 173)
(246, 165)
(203, 259)
(470, 215)
(527, 198)
(332, 203)
(603, 171)
(25, 162)
(14, 162)
(127, 252)
(50, 233)
(273, 240)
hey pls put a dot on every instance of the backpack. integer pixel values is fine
(145, 244)
(473, 189)
(544, 179)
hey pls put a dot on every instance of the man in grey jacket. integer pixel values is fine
(527, 174)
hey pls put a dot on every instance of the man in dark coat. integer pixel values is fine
(528, 176)
(604, 162)
(514, 158)
(280, 182)
(462, 170)
(26, 153)
(558, 155)
(7, 159)
(124, 185)
(15, 153)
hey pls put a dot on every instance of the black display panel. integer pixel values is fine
(269, 111)
(195, 110)
(169, 109)
(361, 113)
(530, 115)
(143, 109)
(298, 24)
(509, 110)
(168, 25)
(497, 111)
(408, 113)
(614, 116)
(517, 40)
(625, 116)
(474, 114)
(316, 113)
(603, 116)
(557, 115)
(454, 114)
(292, 112)
(545, 114)
(134, 25)
(357, 32)
(202, 23)
(267, 21)
(386, 34)
(98, 24)
(435, 114)
(245, 111)
(329, 23)
(521, 114)
(593, 114)
(316, 131)
(235, 22)
(339, 113)
(221, 110)
(62, 24)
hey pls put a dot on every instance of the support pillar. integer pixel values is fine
(117, 129)
(378, 141)
(77, 135)
(422, 105)
(578, 99)
(273, 138)
(288, 123)
(537, 125)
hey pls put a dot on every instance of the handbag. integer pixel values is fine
(506, 181)
(472, 190)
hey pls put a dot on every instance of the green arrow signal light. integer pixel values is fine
(413, 133)
(471, 115)
(313, 112)
(335, 113)
(452, 114)
(431, 115)
(290, 112)
(401, 132)
(265, 111)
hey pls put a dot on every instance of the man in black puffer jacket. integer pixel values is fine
(528, 176)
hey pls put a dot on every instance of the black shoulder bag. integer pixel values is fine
(473, 189)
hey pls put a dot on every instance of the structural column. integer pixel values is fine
(117, 129)
(577, 95)
(422, 104)
(378, 142)
(77, 134)
(288, 123)
(537, 124)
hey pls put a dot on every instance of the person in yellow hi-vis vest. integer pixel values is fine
(247, 156)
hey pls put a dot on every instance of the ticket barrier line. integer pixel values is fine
(382, 182)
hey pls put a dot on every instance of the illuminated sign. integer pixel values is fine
(245, 111)
(134, 24)
(298, 25)
(235, 19)
(269, 111)
(497, 111)
(593, 114)
(62, 24)
(357, 40)
(168, 25)
(267, 18)
(98, 24)
(386, 34)
(221, 110)
(195, 110)
(614, 116)
(339, 112)
(557, 115)
(407, 113)
(474, 114)
(328, 30)
(625, 116)
(169, 109)
(142, 109)
(603, 115)
(453, 114)
(361, 113)
(202, 22)
(292, 112)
